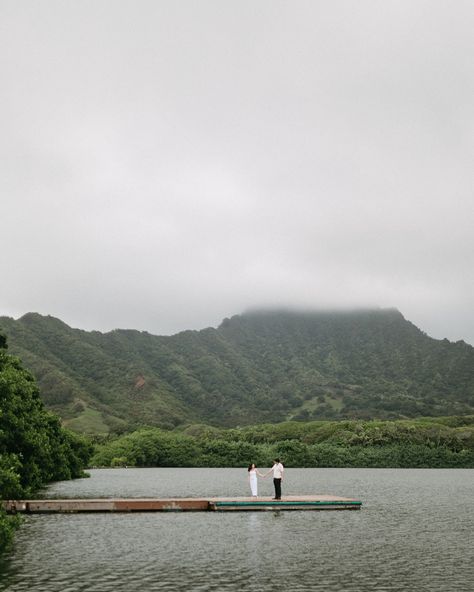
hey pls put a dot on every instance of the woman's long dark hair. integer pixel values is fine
(250, 466)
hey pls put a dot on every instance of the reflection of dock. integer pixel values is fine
(302, 502)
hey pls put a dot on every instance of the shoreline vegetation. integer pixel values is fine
(34, 448)
(443, 442)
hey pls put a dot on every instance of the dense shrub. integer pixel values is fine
(414, 443)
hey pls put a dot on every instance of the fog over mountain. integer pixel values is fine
(166, 164)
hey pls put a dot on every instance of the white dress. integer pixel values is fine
(253, 482)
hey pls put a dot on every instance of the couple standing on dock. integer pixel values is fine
(277, 470)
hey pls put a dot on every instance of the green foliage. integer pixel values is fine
(33, 445)
(10, 482)
(409, 443)
(34, 448)
(8, 525)
(148, 448)
(255, 368)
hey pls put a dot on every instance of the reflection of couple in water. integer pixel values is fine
(277, 470)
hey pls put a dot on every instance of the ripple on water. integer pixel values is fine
(413, 533)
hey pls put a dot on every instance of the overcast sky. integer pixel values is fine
(165, 164)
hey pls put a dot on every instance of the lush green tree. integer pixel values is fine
(34, 448)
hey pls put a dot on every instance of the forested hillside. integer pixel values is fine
(255, 367)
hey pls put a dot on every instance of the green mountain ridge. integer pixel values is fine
(265, 366)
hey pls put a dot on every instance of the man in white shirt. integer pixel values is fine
(278, 469)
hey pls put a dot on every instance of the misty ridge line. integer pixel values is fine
(252, 311)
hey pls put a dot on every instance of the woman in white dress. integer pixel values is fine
(253, 474)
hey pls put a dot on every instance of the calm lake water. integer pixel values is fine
(415, 532)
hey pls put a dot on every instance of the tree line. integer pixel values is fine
(433, 443)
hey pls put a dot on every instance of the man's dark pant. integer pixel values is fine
(277, 485)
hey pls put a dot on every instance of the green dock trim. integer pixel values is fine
(289, 503)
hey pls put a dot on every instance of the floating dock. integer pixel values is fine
(211, 504)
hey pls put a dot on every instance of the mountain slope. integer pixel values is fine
(262, 366)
